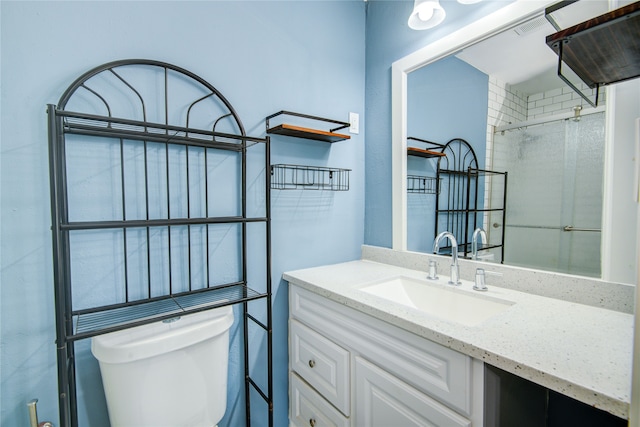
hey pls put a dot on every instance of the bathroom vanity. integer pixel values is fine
(359, 356)
(375, 374)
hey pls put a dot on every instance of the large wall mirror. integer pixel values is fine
(524, 152)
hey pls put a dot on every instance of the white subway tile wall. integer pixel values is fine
(561, 100)
(507, 105)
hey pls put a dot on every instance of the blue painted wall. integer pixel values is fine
(389, 39)
(445, 100)
(264, 56)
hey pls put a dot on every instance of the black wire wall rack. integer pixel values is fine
(419, 184)
(149, 162)
(299, 177)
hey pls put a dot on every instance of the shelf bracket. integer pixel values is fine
(565, 79)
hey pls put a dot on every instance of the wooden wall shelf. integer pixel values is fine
(429, 152)
(604, 49)
(419, 152)
(307, 133)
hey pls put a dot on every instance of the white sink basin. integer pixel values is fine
(439, 299)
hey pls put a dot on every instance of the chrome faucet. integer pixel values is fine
(474, 241)
(454, 278)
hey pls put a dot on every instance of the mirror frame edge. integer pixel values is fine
(500, 20)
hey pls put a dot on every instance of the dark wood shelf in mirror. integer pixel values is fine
(419, 152)
(307, 133)
(604, 49)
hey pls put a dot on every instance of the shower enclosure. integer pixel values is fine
(554, 202)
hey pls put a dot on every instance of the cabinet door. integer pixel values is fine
(309, 409)
(385, 401)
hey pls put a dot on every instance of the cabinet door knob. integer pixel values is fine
(312, 422)
(312, 363)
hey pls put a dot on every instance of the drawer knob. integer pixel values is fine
(312, 363)
(312, 422)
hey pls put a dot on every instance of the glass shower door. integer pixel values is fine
(554, 200)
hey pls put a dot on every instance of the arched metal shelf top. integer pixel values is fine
(458, 157)
(125, 84)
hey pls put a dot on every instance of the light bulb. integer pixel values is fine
(425, 13)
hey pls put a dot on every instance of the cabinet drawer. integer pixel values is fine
(384, 400)
(321, 363)
(309, 409)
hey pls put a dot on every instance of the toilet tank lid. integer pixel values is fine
(161, 337)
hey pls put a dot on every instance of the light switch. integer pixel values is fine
(354, 119)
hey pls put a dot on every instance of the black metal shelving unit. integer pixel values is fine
(160, 134)
(457, 205)
(474, 177)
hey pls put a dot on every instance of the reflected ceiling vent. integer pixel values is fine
(530, 26)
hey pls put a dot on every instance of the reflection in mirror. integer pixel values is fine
(555, 197)
(536, 187)
(447, 101)
(555, 194)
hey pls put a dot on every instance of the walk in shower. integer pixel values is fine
(554, 197)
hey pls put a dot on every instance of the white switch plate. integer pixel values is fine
(354, 119)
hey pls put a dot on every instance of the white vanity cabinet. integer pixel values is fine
(350, 369)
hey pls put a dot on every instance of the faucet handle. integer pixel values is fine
(433, 270)
(479, 284)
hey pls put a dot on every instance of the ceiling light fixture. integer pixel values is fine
(468, 1)
(426, 14)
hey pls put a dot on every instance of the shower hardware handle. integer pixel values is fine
(572, 228)
(312, 363)
(554, 227)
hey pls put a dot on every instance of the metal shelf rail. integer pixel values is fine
(135, 155)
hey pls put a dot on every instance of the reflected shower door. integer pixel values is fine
(555, 185)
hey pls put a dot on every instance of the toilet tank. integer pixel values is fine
(168, 373)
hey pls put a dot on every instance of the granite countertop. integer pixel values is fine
(581, 351)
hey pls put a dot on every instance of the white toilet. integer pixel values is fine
(169, 373)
